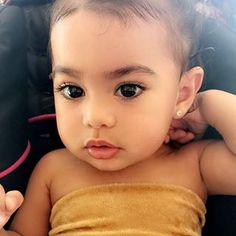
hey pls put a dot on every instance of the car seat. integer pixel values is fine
(27, 119)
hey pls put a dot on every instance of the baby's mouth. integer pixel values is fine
(100, 149)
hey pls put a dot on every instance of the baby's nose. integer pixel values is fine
(98, 114)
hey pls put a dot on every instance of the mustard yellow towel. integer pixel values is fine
(129, 209)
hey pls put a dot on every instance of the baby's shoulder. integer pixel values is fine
(187, 159)
(54, 159)
(56, 165)
(63, 172)
(58, 160)
(187, 165)
(193, 150)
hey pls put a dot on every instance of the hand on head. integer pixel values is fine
(9, 203)
(188, 127)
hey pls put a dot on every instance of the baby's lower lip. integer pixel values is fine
(102, 152)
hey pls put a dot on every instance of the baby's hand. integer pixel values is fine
(9, 203)
(190, 127)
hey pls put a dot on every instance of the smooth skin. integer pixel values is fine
(96, 64)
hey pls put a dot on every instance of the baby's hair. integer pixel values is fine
(178, 16)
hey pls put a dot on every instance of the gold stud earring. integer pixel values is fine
(179, 113)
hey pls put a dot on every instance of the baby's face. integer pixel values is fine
(113, 83)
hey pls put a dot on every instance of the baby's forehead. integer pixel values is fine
(101, 26)
(176, 16)
(113, 34)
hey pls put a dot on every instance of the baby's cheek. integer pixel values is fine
(148, 141)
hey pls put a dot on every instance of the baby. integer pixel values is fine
(125, 87)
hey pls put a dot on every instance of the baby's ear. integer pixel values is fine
(189, 85)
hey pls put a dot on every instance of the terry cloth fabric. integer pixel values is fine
(128, 209)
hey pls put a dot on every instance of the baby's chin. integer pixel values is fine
(110, 165)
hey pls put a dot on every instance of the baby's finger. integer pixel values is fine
(3, 219)
(2, 198)
(14, 200)
(177, 134)
(187, 138)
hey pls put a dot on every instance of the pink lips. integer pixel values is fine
(100, 149)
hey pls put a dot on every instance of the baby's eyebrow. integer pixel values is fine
(58, 69)
(130, 69)
(115, 74)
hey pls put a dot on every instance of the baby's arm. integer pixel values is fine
(218, 159)
(32, 218)
(219, 110)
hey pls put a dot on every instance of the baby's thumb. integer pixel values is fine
(14, 200)
(10, 203)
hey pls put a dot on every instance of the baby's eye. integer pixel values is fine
(71, 91)
(129, 90)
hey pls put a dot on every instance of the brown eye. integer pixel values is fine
(72, 92)
(129, 90)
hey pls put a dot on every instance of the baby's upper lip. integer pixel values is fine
(99, 143)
